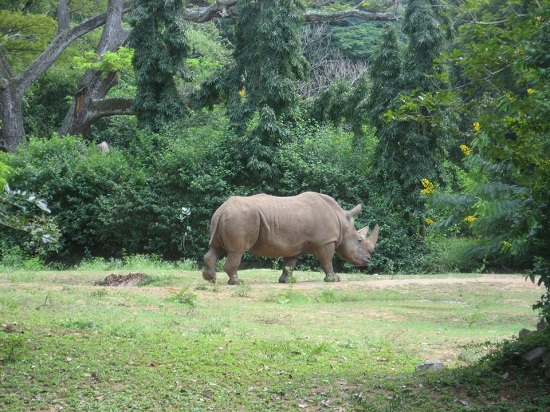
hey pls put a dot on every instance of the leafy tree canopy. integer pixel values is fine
(357, 41)
(25, 36)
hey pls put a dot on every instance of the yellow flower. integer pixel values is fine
(477, 126)
(429, 221)
(470, 219)
(428, 187)
(530, 91)
(242, 92)
(465, 149)
(505, 246)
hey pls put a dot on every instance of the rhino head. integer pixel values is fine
(357, 245)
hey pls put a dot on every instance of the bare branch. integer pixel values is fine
(63, 17)
(221, 8)
(317, 16)
(327, 66)
(224, 8)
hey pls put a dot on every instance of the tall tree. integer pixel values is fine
(263, 81)
(160, 47)
(91, 100)
(385, 72)
(502, 54)
(411, 147)
(13, 85)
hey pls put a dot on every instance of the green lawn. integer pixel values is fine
(181, 344)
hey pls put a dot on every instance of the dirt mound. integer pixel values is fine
(131, 279)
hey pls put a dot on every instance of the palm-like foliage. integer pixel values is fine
(158, 38)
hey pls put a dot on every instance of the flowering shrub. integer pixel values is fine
(466, 149)
(428, 187)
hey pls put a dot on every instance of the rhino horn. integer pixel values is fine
(353, 212)
(373, 238)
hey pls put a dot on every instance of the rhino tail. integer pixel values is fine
(214, 225)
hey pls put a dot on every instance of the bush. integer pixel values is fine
(16, 258)
(156, 195)
(73, 178)
(130, 201)
(452, 254)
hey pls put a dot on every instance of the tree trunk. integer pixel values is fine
(92, 91)
(11, 111)
(13, 87)
(90, 102)
(13, 131)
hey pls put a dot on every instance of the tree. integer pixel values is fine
(262, 86)
(91, 101)
(385, 71)
(13, 85)
(411, 145)
(502, 55)
(160, 47)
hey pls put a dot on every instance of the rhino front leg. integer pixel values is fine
(231, 266)
(210, 260)
(325, 254)
(289, 264)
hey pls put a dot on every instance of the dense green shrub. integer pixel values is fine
(73, 178)
(453, 254)
(156, 195)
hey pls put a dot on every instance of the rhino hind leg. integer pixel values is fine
(210, 260)
(289, 264)
(231, 266)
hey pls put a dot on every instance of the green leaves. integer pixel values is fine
(160, 49)
(408, 119)
(108, 62)
(24, 36)
(16, 212)
(4, 171)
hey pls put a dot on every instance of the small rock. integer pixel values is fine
(103, 147)
(534, 356)
(433, 365)
(524, 332)
(542, 324)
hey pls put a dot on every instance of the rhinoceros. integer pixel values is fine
(286, 227)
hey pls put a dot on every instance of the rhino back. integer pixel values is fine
(273, 226)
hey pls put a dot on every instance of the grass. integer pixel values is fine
(178, 343)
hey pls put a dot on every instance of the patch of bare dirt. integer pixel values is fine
(131, 279)
(497, 281)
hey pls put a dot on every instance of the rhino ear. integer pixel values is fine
(353, 212)
(373, 238)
